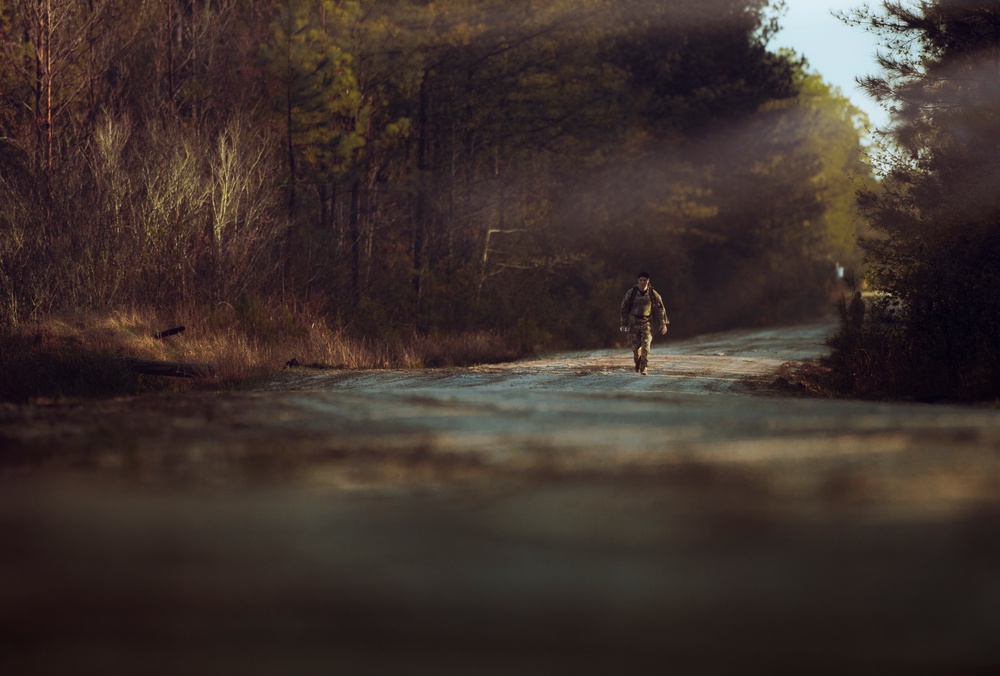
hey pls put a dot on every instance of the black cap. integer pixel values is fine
(642, 273)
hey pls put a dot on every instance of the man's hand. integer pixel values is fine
(663, 329)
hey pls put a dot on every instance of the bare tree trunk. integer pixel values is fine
(43, 89)
(421, 213)
(290, 147)
(171, 74)
(354, 235)
(289, 135)
(48, 86)
(369, 205)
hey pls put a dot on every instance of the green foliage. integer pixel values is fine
(834, 126)
(935, 245)
(315, 86)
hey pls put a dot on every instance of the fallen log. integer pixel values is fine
(160, 335)
(173, 369)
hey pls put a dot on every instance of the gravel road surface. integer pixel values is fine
(560, 515)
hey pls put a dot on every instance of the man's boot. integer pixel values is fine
(641, 367)
(637, 361)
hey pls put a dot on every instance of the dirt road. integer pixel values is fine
(559, 515)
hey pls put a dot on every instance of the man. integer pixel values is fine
(640, 304)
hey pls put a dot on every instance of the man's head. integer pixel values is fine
(643, 280)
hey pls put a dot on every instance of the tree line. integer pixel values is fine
(411, 167)
(933, 253)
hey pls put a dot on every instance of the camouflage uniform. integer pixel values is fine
(637, 309)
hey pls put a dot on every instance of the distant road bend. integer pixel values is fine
(713, 363)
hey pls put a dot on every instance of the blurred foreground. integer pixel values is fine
(561, 515)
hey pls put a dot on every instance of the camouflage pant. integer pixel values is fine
(641, 338)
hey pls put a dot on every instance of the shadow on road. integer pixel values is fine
(559, 515)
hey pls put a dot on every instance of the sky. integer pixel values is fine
(838, 52)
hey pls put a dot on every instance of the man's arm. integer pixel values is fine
(659, 311)
(626, 307)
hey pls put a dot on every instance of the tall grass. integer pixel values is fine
(84, 355)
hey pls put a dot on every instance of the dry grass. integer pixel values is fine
(83, 355)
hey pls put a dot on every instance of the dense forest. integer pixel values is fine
(933, 252)
(412, 167)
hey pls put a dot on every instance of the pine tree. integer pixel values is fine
(935, 251)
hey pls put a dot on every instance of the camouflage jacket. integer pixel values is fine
(638, 307)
